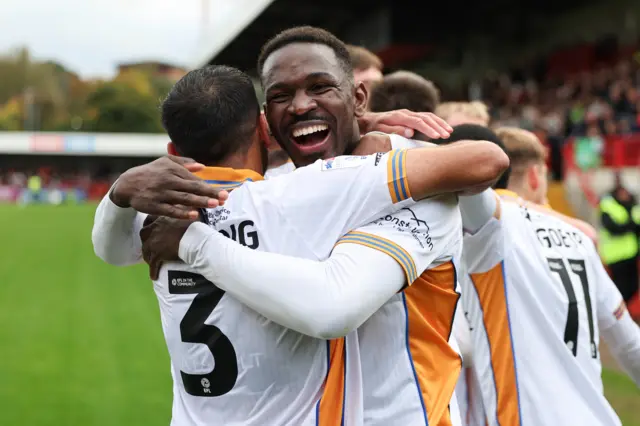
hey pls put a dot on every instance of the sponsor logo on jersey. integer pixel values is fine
(184, 282)
(379, 156)
(219, 214)
(342, 162)
(406, 220)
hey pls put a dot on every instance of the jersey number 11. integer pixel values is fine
(557, 265)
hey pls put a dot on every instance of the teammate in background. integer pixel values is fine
(367, 67)
(456, 113)
(464, 115)
(536, 285)
(273, 393)
(513, 141)
(404, 90)
(468, 389)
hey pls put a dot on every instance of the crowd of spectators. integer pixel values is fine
(588, 106)
(600, 102)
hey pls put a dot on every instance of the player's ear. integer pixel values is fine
(171, 149)
(263, 130)
(361, 96)
(533, 177)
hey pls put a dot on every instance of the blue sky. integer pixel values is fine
(92, 36)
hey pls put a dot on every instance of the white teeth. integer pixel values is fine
(309, 129)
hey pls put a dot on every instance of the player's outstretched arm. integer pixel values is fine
(321, 299)
(463, 166)
(623, 340)
(617, 328)
(115, 234)
(164, 187)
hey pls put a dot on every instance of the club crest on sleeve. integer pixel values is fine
(343, 162)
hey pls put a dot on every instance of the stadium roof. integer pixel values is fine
(234, 18)
(238, 39)
(398, 30)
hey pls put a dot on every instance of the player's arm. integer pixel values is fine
(164, 187)
(365, 187)
(463, 166)
(478, 209)
(617, 328)
(325, 299)
(115, 233)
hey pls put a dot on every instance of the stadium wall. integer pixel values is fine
(80, 144)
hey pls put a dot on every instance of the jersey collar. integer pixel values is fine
(227, 178)
(506, 192)
(514, 195)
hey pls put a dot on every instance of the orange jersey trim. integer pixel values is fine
(330, 410)
(386, 246)
(491, 289)
(397, 182)
(430, 305)
(227, 178)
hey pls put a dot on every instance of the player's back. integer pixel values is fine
(532, 299)
(231, 365)
(404, 349)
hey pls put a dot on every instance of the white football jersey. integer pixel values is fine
(232, 366)
(468, 395)
(404, 347)
(536, 294)
(280, 170)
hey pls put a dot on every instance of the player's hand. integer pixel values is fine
(406, 123)
(161, 241)
(166, 187)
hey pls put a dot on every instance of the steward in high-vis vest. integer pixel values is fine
(618, 242)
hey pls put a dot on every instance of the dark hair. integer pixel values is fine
(476, 132)
(311, 35)
(211, 113)
(362, 59)
(404, 90)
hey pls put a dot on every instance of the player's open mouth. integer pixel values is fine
(310, 136)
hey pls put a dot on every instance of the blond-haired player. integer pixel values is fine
(522, 144)
(538, 299)
(456, 113)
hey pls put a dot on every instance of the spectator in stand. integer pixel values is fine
(620, 220)
(367, 67)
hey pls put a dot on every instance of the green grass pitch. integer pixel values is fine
(81, 342)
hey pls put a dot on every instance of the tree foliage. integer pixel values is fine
(48, 97)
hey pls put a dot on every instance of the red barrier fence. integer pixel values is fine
(619, 151)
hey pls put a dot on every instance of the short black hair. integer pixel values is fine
(404, 90)
(307, 34)
(476, 132)
(211, 113)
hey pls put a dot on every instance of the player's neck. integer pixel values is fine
(243, 161)
(523, 192)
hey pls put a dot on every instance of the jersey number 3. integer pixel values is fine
(194, 330)
(571, 328)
